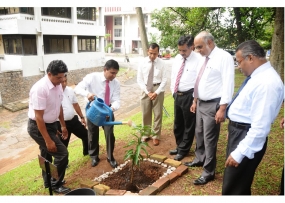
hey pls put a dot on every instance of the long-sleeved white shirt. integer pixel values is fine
(218, 77)
(159, 75)
(69, 99)
(95, 83)
(257, 104)
(189, 74)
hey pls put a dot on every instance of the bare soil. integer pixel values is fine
(143, 176)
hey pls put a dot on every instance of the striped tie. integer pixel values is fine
(179, 76)
(199, 77)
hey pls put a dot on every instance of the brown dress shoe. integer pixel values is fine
(155, 142)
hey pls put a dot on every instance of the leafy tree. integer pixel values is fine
(229, 26)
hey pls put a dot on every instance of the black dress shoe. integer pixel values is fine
(173, 152)
(95, 161)
(61, 190)
(178, 157)
(113, 163)
(203, 180)
(193, 164)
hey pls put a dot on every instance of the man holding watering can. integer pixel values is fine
(102, 85)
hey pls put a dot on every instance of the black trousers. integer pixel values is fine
(93, 139)
(238, 180)
(60, 156)
(184, 122)
(75, 126)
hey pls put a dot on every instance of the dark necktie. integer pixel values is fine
(239, 90)
(179, 76)
(199, 77)
(149, 83)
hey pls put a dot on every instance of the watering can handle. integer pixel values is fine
(88, 104)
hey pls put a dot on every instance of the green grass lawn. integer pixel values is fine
(27, 179)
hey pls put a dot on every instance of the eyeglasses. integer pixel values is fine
(239, 62)
(199, 47)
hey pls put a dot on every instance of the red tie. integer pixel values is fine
(199, 77)
(179, 76)
(107, 93)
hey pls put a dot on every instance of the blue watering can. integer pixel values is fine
(100, 114)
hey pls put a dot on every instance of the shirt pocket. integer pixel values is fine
(156, 72)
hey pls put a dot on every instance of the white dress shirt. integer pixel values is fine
(159, 75)
(69, 99)
(217, 80)
(257, 104)
(45, 96)
(95, 83)
(187, 81)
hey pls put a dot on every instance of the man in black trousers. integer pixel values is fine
(250, 113)
(44, 109)
(183, 76)
(73, 125)
(103, 85)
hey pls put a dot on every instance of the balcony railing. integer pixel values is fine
(55, 20)
(17, 16)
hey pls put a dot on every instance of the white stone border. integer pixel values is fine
(169, 170)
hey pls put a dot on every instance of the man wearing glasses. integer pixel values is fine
(213, 90)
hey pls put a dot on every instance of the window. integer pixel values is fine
(57, 44)
(64, 12)
(118, 33)
(118, 21)
(118, 43)
(20, 44)
(86, 43)
(13, 10)
(86, 13)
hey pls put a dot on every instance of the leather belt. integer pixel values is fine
(211, 100)
(244, 126)
(155, 84)
(185, 93)
(33, 121)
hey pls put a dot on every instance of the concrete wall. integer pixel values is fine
(14, 87)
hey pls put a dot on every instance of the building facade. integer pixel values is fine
(31, 37)
(122, 28)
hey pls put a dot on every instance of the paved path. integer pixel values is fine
(17, 147)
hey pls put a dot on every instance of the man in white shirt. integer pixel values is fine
(251, 113)
(94, 84)
(151, 77)
(213, 91)
(73, 125)
(183, 76)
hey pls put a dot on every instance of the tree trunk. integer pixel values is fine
(277, 51)
(238, 24)
(141, 23)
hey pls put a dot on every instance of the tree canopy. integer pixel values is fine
(229, 25)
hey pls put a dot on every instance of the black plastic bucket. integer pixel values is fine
(81, 191)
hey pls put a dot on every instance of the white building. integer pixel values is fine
(31, 37)
(122, 26)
